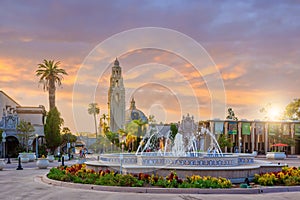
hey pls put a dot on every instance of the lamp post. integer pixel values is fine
(3, 140)
(68, 147)
(122, 146)
(37, 146)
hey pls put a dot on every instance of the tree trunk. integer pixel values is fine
(51, 94)
(95, 125)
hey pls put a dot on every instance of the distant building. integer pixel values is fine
(11, 113)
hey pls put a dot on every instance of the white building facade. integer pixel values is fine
(11, 113)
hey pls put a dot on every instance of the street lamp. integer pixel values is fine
(68, 147)
(37, 146)
(122, 146)
(4, 140)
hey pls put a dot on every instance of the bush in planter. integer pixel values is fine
(79, 174)
(288, 176)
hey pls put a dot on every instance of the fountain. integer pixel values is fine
(182, 155)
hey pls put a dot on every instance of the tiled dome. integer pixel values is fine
(134, 114)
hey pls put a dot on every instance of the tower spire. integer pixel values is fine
(132, 104)
(116, 63)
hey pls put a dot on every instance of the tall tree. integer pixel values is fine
(50, 75)
(94, 110)
(292, 110)
(25, 130)
(52, 129)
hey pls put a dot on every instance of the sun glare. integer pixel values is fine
(274, 113)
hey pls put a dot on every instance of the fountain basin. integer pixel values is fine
(235, 167)
(193, 159)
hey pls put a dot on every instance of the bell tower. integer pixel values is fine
(116, 99)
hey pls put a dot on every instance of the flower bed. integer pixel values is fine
(79, 174)
(289, 176)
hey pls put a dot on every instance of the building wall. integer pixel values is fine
(5, 100)
(11, 114)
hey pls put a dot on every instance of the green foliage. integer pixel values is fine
(68, 136)
(56, 174)
(52, 129)
(79, 174)
(25, 130)
(113, 137)
(174, 131)
(42, 149)
(224, 141)
(132, 128)
(292, 110)
(141, 124)
(1, 131)
(288, 176)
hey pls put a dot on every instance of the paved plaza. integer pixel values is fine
(27, 184)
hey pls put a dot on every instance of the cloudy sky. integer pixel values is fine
(253, 48)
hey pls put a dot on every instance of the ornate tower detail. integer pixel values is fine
(116, 98)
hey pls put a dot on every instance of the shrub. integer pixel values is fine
(288, 176)
(79, 174)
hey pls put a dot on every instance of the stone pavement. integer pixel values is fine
(27, 184)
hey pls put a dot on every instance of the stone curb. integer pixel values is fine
(274, 189)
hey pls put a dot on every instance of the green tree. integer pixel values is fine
(67, 136)
(132, 128)
(113, 137)
(52, 129)
(50, 74)
(292, 110)
(141, 125)
(174, 131)
(224, 141)
(94, 110)
(231, 114)
(25, 130)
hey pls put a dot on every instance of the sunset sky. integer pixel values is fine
(253, 47)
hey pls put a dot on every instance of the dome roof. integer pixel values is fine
(134, 114)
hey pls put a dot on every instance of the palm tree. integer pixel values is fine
(50, 75)
(94, 110)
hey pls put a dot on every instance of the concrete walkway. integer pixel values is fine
(27, 184)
